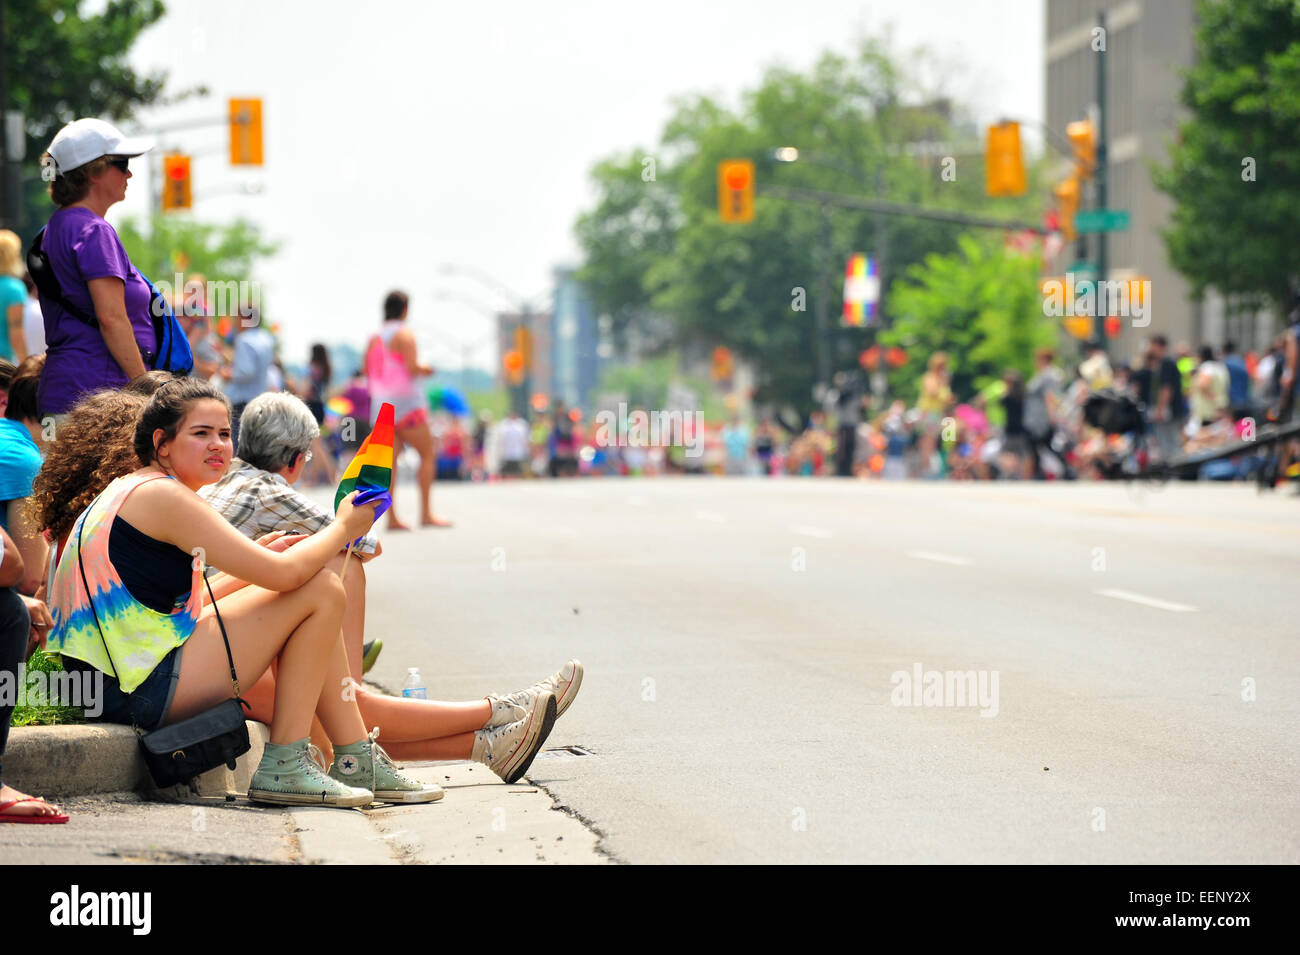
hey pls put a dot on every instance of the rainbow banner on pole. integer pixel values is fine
(370, 472)
(861, 290)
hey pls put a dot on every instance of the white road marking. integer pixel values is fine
(713, 516)
(1147, 601)
(940, 558)
(810, 531)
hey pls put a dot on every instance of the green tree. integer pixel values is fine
(980, 304)
(659, 247)
(218, 252)
(1234, 171)
(61, 64)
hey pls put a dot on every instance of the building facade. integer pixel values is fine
(577, 350)
(1147, 43)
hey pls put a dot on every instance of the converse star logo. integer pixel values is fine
(347, 765)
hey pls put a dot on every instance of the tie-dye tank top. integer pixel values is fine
(138, 636)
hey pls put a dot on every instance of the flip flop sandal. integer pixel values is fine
(6, 816)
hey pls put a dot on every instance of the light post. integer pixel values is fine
(524, 307)
(790, 154)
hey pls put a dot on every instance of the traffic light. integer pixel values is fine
(736, 190)
(722, 364)
(524, 345)
(176, 192)
(512, 363)
(1004, 164)
(246, 132)
(1083, 141)
(1067, 199)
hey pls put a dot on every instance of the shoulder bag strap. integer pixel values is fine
(48, 282)
(234, 677)
(91, 600)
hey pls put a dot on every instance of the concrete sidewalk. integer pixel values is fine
(97, 775)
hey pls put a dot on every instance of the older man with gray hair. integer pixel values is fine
(258, 497)
(503, 732)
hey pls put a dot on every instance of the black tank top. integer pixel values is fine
(157, 574)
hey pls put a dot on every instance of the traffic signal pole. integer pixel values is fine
(821, 312)
(1100, 330)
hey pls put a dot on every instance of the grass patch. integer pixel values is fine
(38, 710)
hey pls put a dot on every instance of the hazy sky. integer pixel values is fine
(402, 136)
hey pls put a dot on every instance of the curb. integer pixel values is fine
(104, 758)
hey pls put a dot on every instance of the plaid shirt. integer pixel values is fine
(258, 502)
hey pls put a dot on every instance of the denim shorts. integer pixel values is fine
(146, 706)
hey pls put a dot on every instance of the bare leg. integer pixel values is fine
(301, 627)
(413, 728)
(394, 524)
(404, 721)
(448, 747)
(354, 614)
(322, 740)
(420, 438)
(336, 706)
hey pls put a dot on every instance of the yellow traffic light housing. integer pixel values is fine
(176, 187)
(1083, 141)
(1067, 199)
(1004, 163)
(736, 190)
(524, 345)
(246, 132)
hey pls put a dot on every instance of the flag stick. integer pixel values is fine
(344, 572)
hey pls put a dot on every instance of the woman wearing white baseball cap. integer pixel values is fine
(95, 278)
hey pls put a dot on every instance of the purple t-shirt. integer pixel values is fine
(81, 247)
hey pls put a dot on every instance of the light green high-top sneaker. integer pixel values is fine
(288, 776)
(366, 764)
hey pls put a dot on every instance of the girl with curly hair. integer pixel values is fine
(127, 600)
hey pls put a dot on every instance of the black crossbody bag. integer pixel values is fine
(177, 753)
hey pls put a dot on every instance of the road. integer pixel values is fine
(745, 642)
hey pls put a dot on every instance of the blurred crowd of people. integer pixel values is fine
(1184, 401)
(1017, 429)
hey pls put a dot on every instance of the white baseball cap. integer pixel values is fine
(84, 140)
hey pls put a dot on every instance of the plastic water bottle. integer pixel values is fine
(414, 688)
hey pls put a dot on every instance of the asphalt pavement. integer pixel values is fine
(1130, 656)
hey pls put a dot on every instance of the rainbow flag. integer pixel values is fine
(370, 472)
(861, 290)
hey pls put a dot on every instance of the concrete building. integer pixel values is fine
(578, 351)
(1147, 44)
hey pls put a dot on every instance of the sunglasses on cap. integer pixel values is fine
(119, 162)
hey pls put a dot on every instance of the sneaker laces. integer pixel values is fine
(492, 737)
(317, 757)
(376, 754)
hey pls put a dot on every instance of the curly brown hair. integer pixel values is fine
(95, 445)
